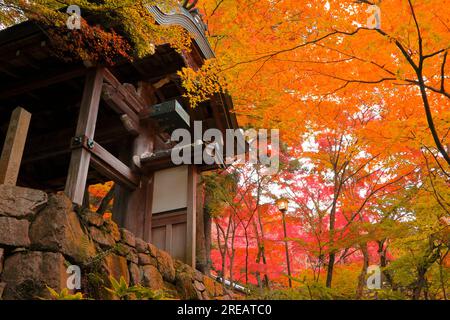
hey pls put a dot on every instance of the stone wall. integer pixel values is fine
(41, 235)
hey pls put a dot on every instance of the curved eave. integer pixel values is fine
(185, 20)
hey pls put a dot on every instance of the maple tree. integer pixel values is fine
(289, 58)
(364, 114)
(366, 133)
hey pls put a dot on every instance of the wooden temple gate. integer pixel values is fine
(112, 134)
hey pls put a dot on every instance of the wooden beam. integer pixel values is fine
(4, 69)
(14, 145)
(54, 144)
(146, 91)
(176, 217)
(158, 164)
(110, 166)
(131, 97)
(118, 103)
(28, 85)
(191, 224)
(87, 118)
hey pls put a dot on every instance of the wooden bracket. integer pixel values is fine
(105, 163)
(125, 93)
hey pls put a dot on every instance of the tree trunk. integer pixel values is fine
(382, 253)
(441, 276)
(233, 254)
(246, 255)
(330, 267)
(106, 200)
(261, 248)
(363, 274)
(332, 255)
(208, 241)
(429, 115)
(431, 255)
(223, 255)
(420, 284)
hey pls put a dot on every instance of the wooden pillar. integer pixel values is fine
(14, 145)
(191, 217)
(148, 209)
(80, 159)
(134, 207)
(138, 215)
(202, 259)
(121, 194)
